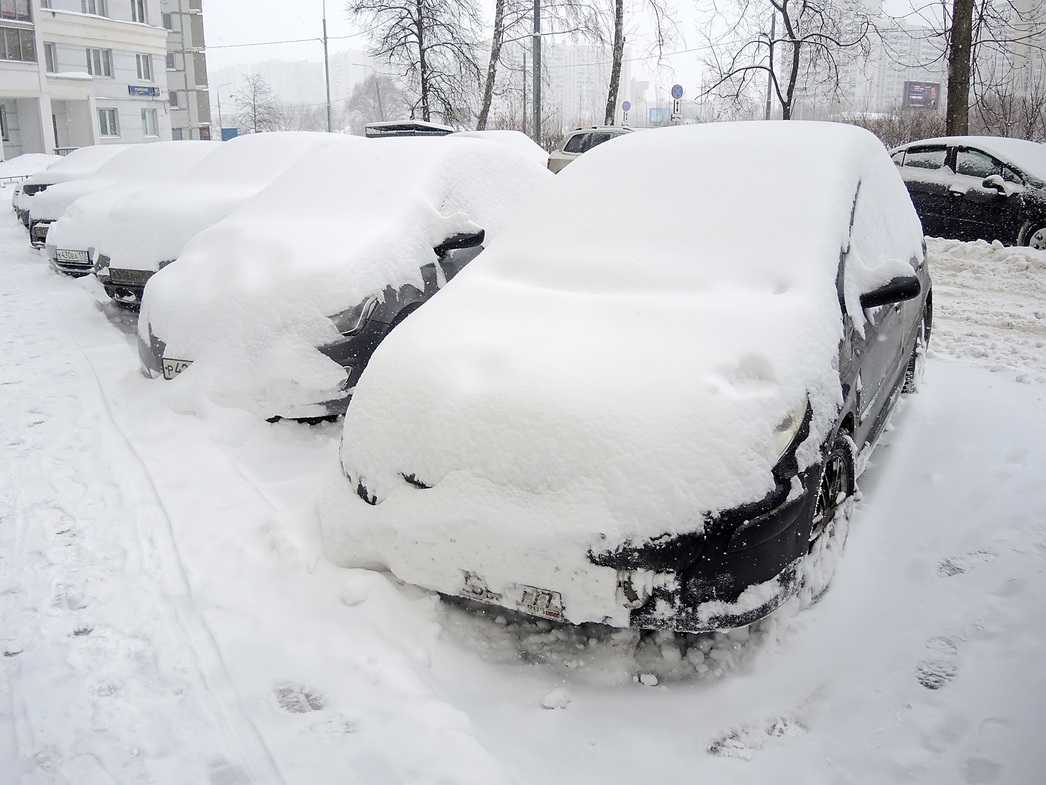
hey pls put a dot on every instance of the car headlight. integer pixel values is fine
(786, 430)
(351, 320)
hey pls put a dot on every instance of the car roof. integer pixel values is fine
(1030, 157)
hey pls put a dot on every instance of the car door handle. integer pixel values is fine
(956, 192)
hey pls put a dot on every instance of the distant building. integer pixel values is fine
(81, 72)
(578, 81)
(186, 66)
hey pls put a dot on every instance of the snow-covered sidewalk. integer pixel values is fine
(166, 615)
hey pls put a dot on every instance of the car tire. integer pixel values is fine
(913, 374)
(836, 492)
(1033, 234)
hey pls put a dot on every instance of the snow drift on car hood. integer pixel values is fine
(613, 366)
(250, 297)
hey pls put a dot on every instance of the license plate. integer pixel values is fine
(64, 255)
(541, 602)
(172, 367)
(129, 277)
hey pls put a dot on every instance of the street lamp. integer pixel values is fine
(218, 95)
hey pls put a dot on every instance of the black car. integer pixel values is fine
(978, 188)
(647, 406)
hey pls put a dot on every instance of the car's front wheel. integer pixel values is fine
(1033, 234)
(836, 491)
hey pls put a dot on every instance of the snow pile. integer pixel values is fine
(201, 197)
(990, 306)
(249, 298)
(128, 176)
(614, 365)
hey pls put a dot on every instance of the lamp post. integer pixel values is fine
(218, 95)
(327, 68)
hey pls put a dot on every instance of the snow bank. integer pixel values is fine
(26, 165)
(128, 176)
(613, 367)
(204, 195)
(250, 297)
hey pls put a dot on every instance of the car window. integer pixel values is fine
(599, 138)
(898, 157)
(925, 157)
(974, 163)
(576, 143)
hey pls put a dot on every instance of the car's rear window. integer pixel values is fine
(576, 143)
(599, 138)
(926, 157)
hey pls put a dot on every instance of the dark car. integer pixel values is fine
(640, 407)
(978, 188)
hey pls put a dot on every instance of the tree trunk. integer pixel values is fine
(960, 56)
(492, 68)
(423, 66)
(615, 67)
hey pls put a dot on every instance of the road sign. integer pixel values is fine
(677, 91)
(626, 106)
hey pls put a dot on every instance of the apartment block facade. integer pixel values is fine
(186, 66)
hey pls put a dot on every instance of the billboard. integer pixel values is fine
(660, 115)
(922, 95)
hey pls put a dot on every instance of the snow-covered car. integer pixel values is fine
(647, 403)
(70, 238)
(278, 308)
(978, 187)
(80, 163)
(581, 140)
(142, 235)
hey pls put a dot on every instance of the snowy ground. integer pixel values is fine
(166, 615)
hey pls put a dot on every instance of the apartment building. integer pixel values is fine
(81, 72)
(186, 67)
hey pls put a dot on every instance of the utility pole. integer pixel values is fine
(537, 72)
(327, 69)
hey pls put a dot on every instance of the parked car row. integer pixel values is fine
(606, 396)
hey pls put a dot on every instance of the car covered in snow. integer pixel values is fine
(581, 140)
(978, 187)
(277, 308)
(143, 234)
(70, 239)
(78, 164)
(648, 402)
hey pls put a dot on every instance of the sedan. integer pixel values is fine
(978, 187)
(648, 402)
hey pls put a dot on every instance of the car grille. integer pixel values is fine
(39, 231)
(33, 188)
(129, 277)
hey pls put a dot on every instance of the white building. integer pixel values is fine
(81, 72)
(186, 68)
(578, 81)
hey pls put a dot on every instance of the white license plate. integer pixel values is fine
(71, 256)
(172, 367)
(541, 602)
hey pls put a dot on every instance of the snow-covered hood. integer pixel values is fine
(78, 164)
(248, 299)
(201, 197)
(620, 339)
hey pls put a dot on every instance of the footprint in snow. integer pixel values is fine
(743, 742)
(939, 669)
(298, 699)
(957, 565)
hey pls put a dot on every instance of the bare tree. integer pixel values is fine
(665, 29)
(990, 47)
(257, 109)
(433, 43)
(374, 99)
(800, 45)
(901, 125)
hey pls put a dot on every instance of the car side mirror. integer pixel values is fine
(463, 240)
(995, 182)
(898, 290)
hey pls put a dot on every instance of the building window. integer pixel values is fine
(176, 134)
(15, 9)
(145, 67)
(51, 58)
(149, 122)
(3, 124)
(168, 21)
(100, 62)
(138, 11)
(94, 7)
(170, 61)
(17, 44)
(107, 122)
(173, 97)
